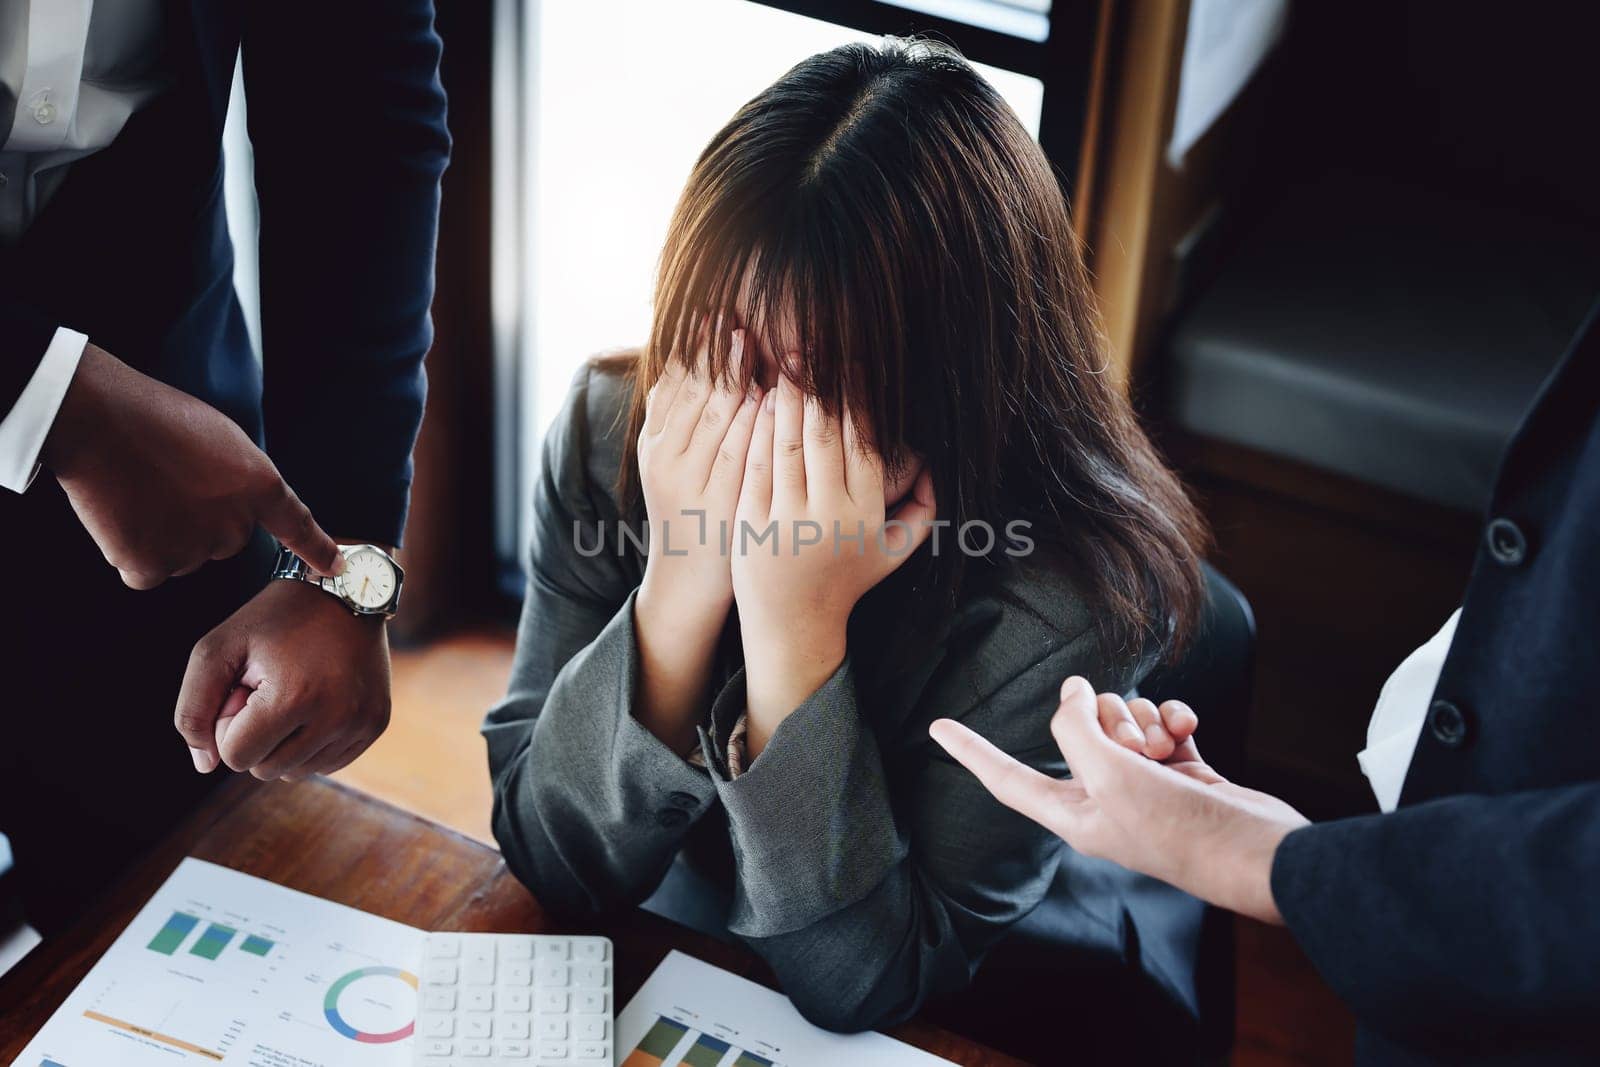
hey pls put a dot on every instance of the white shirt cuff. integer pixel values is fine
(23, 430)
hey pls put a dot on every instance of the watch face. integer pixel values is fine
(368, 578)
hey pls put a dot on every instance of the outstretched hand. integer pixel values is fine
(1173, 817)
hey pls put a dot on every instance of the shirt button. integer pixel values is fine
(686, 801)
(1448, 723)
(1508, 546)
(45, 113)
(672, 818)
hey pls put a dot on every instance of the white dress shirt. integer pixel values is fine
(71, 75)
(1402, 709)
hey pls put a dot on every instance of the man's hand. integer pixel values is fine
(290, 685)
(164, 482)
(1175, 819)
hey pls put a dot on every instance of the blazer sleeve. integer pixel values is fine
(1453, 917)
(347, 121)
(864, 902)
(590, 807)
(24, 336)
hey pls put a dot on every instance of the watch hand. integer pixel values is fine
(365, 581)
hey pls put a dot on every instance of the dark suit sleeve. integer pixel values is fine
(347, 120)
(1454, 918)
(24, 335)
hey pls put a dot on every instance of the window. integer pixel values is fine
(615, 100)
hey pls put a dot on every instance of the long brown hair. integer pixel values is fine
(888, 200)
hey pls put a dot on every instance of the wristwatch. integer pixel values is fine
(370, 584)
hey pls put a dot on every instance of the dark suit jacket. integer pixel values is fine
(1465, 927)
(347, 119)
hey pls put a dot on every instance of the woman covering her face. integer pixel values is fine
(886, 478)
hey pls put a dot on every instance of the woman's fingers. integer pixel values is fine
(755, 493)
(728, 468)
(662, 395)
(693, 392)
(1158, 743)
(1119, 724)
(824, 450)
(716, 415)
(788, 448)
(912, 521)
(863, 467)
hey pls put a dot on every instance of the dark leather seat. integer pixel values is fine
(1383, 331)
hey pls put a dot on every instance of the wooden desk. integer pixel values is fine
(333, 842)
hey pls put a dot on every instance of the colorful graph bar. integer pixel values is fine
(210, 944)
(165, 1039)
(657, 1044)
(256, 946)
(170, 936)
(750, 1059)
(707, 1051)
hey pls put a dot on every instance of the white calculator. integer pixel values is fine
(487, 1000)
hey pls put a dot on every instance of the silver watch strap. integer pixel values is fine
(292, 567)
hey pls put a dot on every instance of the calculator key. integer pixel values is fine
(591, 975)
(516, 948)
(439, 1000)
(589, 1029)
(515, 1050)
(591, 1002)
(552, 1029)
(554, 974)
(437, 1048)
(552, 1002)
(443, 947)
(478, 972)
(440, 974)
(518, 1000)
(591, 1052)
(479, 1000)
(477, 1048)
(589, 951)
(554, 1050)
(477, 1026)
(515, 1027)
(517, 974)
(439, 1026)
(553, 949)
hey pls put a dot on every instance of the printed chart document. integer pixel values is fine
(697, 1015)
(220, 967)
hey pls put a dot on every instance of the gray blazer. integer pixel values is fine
(866, 868)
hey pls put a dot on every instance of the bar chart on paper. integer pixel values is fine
(671, 1042)
(221, 968)
(691, 1014)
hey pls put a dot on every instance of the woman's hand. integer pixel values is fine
(811, 539)
(691, 461)
(1176, 819)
